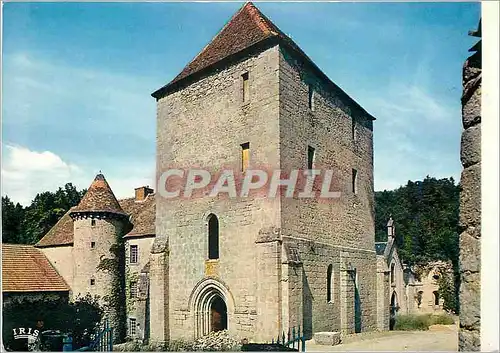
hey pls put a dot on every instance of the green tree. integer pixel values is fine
(12, 217)
(27, 225)
(425, 214)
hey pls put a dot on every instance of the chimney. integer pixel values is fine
(390, 228)
(142, 192)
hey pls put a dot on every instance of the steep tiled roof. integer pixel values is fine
(143, 215)
(247, 28)
(60, 234)
(99, 198)
(26, 269)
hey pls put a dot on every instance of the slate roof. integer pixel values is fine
(26, 269)
(380, 247)
(142, 216)
(99, 198)
(245, 30)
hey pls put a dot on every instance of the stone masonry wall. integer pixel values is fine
(204, 125)
(383, 294)
(86, 259)
(470, 208)
(328, 230)
(136, 307)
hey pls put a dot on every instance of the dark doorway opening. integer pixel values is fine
(392, 313)
(218, 314)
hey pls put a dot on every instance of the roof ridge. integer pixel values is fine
(213, 38)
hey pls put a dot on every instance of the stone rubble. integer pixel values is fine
(217, 341)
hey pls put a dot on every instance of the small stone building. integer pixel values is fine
(428, 298)
(396, 285)
(252, 99)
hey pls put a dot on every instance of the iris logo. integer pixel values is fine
(23, 333)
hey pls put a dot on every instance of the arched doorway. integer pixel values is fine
(218, 314)
(212, 305)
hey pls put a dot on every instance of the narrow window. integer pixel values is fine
(353, 129)
(213, 237)
(132, 324)
(436, 297)
(134, 254)
(133, 289)
(246, 93)
(392, 273)
(92, 244)
(311, 97)
(329, 283)
(92, 223)
(245, 156)
(310, 157)
(355, 181)
(92, 281)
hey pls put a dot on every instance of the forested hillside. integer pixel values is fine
(426, 217)
(27, 225)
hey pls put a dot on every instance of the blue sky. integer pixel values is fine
(77, 79)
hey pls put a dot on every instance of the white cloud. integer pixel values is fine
(26, 173)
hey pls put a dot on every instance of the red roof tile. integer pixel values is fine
(26, 269)
(246, 28)
(142, 216)
(99, 198)
(60, 234)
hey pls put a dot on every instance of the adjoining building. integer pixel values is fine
(28, 275)
(88, 233)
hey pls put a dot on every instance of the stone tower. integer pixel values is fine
(99, 225)
(255, 265)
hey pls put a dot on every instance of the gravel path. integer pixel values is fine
(439, 338)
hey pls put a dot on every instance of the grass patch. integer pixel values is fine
(442, 319)
(421, 322)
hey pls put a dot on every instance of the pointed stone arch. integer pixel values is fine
(211, 295)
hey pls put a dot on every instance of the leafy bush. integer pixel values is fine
(411, 322)
(421, 322)
(79, 317)
(441, 319)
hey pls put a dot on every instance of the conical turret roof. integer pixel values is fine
(99, 198)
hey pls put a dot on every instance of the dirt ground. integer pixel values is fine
(438, 338)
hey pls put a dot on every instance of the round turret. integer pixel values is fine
(99, 226)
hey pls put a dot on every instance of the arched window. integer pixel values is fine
(329, 283)
(213, 237)
(393, 267)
